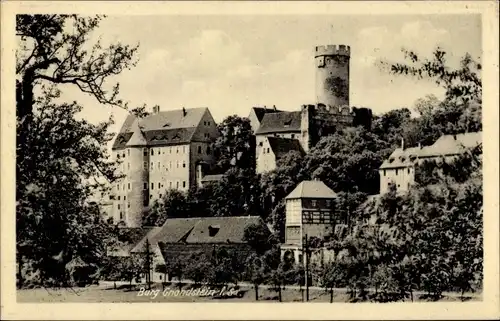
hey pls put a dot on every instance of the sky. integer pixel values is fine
(231, 63)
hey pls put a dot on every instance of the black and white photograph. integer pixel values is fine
(270, 157)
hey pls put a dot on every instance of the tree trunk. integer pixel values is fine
(331, 295)
(256, 292)
(279, 293)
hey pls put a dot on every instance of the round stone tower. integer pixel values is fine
(332, 75)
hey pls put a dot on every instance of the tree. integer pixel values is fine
(199, 268)
(60, 161)
(236, 144)
(259, 238)
(256, 271)
(174, 204)
(331, 275)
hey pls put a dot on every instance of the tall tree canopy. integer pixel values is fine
(61, 161)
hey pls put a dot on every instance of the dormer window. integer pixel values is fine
(288, 123)
(166, 125)
(213, 230)
(176, 136)
(391, 159)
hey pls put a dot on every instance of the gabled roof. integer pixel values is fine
(280, 122)
(261, 111)
(172, 231)
(162, 128)
(446, 145)
(230, 229)
(281, 146)
(311, 189)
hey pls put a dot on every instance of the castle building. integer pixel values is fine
(273, 148)
(257, 113)
(399, 168)
(330, 112)
(310, 210)
(157, 153)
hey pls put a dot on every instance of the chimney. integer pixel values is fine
(274, 107)
(156, 109)
(184, 112)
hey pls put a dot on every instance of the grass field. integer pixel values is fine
(107, 294)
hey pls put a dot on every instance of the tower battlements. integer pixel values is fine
(332, 50)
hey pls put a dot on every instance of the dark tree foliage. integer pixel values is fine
(61, 161)
(236, 144)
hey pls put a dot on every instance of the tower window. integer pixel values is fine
(118, 206)
(159, 186)
(145, 187)
(124, 197)
(152, 152)
(119, 199)
(152, 186)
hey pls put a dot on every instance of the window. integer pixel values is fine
(328, 203)
(118, 206)
(128, 152)
(384, 172)
(161, 195)
(128, 165)
(183, 164)
(124, 197)
(152, 165)
(208, 123)
(159, 165)
(184, 184)
(152, 152)
(123, 154)
(313, 203)
(199, 149)
(170, 165)
(152, 186)
(396, 171)
(145, 165)
(177, 150)
(145, 186)
(208, 150)
(177, 164)
(159, 186)
(293, 136)
(408, 170)
(129, 186)
(128, 205)
(145, 152)
(170, 184)
(121, 215)
(119, 199)
(268, 150)
(177, 184)
(150, 196)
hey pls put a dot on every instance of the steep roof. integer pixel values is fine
(281, 146)
(261, 111)
(280, 122)
(445, 145)
(162, 128)
(311, 189)
(172, 231)
(230, 229)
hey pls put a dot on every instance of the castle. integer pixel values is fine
(165, 150)
(279, 132)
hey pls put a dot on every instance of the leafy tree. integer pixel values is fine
(58, 157)
(259, 238)
(199, 268)
(236, 144)
(331, 275)
(277, 279)
(174, 204)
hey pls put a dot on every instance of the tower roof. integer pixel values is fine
(311, 189)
